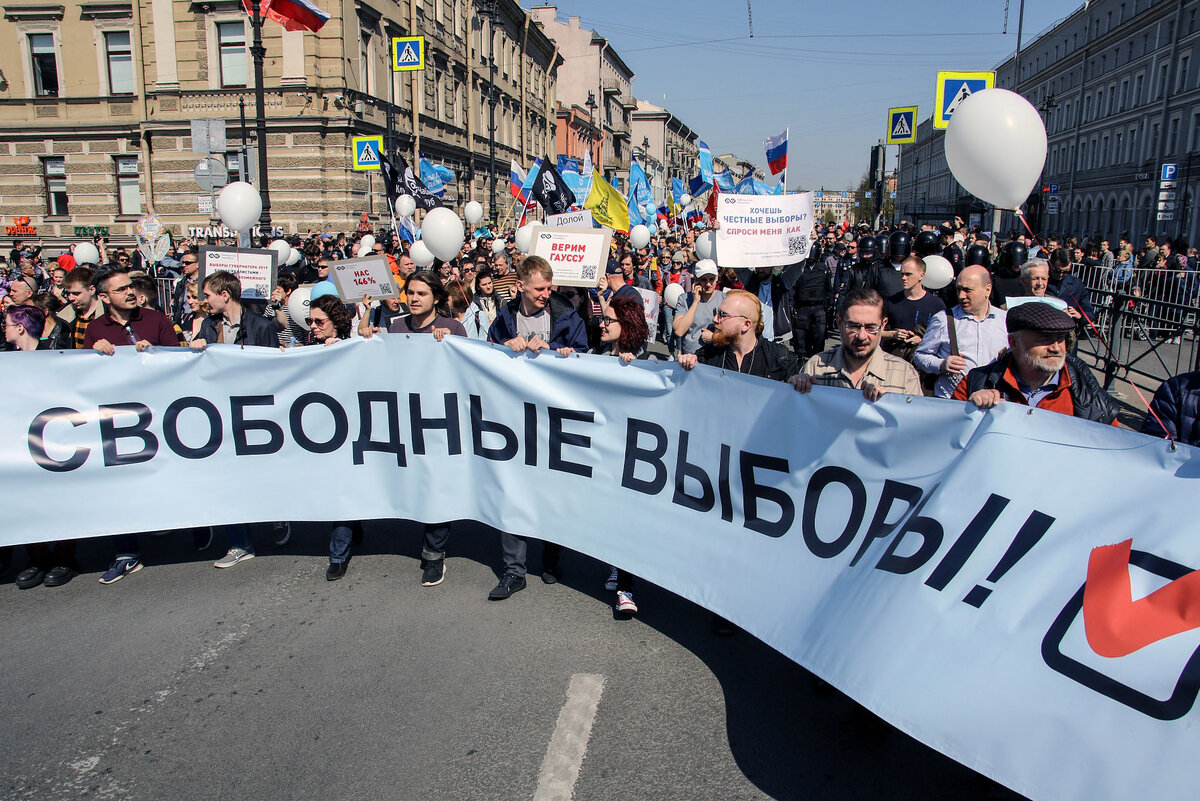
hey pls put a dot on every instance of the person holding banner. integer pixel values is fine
(970, 335)
(428, 309)
(230, 323)
(536, 319)
(738, 343)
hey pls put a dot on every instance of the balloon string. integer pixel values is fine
(1021, 217)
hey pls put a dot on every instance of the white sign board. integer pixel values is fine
(204, 204)
(571, 219)
(578, 256)
(357, 278)
(763, 230)
(254, 267)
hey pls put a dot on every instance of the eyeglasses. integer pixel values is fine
(311, 321)
(720, 315)
(870, 328)
(606, 320)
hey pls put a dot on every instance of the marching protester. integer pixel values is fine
(536, 319)
(975, 336)
(738, 344)
(859, 362)
(909, 312)
(694, 310)
(1038, 371)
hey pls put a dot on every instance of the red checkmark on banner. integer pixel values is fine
(1115, 624)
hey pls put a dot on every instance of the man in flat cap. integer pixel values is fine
(1038, 371)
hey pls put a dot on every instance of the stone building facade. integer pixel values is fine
(94, 140)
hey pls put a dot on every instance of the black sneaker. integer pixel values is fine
(551, 574)
(433, 572)
(508, 585)
(32, 576)
(202, 537)
(335, 571)
(60, 575)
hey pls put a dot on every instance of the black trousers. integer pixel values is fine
(808, 331)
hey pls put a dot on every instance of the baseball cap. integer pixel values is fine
(706, 267)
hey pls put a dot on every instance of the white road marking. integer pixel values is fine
(568, 744)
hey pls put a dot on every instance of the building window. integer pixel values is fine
(129, 191)
(1173, 135)
(365, 53)
(1181, 79)
(119, 56)
(56, 187)
(1137, 90)
(1162, 81)
(231, 49)
(45, 64)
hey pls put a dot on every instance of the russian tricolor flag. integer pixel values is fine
(293, 15)
(516, 180)
(777, 152)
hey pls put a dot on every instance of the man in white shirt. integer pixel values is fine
(978, 336)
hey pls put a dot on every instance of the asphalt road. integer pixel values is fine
(265, 681)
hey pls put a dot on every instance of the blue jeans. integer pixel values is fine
(342, 536)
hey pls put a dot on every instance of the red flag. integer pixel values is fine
(293, 15)
(711, 208)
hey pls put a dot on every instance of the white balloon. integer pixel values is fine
(685, 199)
(706, 245)
(293, 256)
(239, 206)
(87, 253)
(473, 211)
(443, 233)
(498, 245)
(662, 226)
(405, 206)
(297, 305)
(672, 294)
(938, 271)
(525, 237)
(651, 210)
(996, 147)
(365, 243)
(639, 237)
(283, 249)
(420, 253)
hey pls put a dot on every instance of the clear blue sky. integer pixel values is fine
(829, 71)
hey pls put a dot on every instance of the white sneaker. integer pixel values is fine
(625, 603)
(611, 584)
(234, 556)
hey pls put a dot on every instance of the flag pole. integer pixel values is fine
(787, 134)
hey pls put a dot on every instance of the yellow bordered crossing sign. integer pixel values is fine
(367, 150)
(902, 125)
(955, 87)
(408, 53)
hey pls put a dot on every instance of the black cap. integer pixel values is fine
(1039, 316)
(614, 268)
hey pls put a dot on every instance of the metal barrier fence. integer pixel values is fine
(1146, 322)
(166, 290)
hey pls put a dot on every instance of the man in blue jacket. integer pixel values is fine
(536, 319)
(1177, 406)
(231, 323)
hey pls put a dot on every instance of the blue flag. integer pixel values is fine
(445, 172)
(677, 190)
(724, 181)
(431, 178)
(639, 183)
(698, 186)
(706, 164)
(567, 164)
(746, 185)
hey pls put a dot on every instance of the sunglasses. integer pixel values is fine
(311, 321)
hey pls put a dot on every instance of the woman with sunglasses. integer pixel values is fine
(328, 321)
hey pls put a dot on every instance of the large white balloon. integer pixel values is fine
(473, 211)
(420, 253)
(239, 205)
(685, 199)
(498, 245)
(938, 270)
(86, 253)
(525, 237)
(405, 206)
(443, 233)
(639, 237)
(297, 305)
(293, 256)
(706, 245)
(283, 249)
(366, 243)
(672, 294)
(996, 147)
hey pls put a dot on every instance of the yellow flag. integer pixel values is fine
(607, 205)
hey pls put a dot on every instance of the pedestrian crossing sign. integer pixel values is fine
(955, 87)
(408, 53)
(366, 152)
(902, 125)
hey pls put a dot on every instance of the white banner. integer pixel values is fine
(763, 230)
(924, 557)
(578, 256)
(369, 275)
(571, 219)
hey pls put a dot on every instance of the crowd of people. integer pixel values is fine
(1003, 331)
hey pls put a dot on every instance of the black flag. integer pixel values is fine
(550, 190)
(398, 179)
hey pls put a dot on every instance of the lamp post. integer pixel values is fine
(591, 106)
(258, 52)
(491, 11)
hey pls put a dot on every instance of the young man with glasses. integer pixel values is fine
(859, 363)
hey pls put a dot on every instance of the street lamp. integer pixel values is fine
(591, 106)
(259, 52)
(492, 12)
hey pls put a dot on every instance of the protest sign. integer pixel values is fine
(763, 230)
(581, 218)
(952, 569)
(650, 302)
(254, 267)
(369, 275)
(578, 256)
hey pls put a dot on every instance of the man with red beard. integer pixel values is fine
(737, 343)
(1038, 371)
(859, 363)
